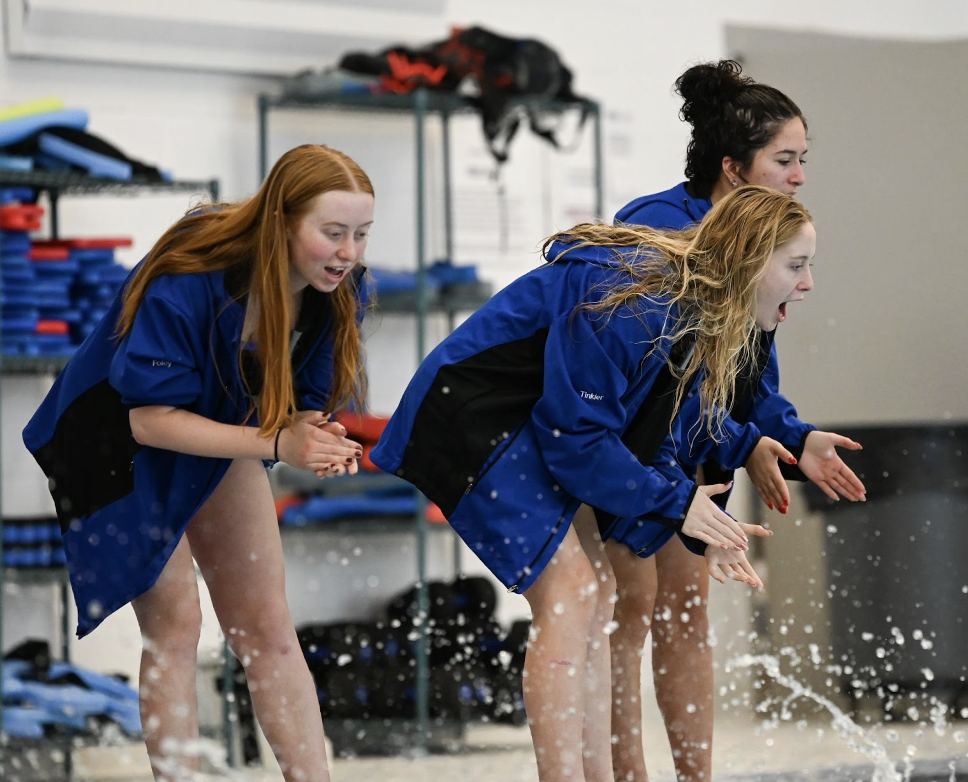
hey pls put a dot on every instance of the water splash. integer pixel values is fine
(857, 738)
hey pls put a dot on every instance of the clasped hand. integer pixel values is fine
(727, 540)
(314, 442)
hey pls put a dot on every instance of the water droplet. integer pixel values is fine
(559, 608)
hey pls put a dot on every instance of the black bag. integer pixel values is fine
(504, 78)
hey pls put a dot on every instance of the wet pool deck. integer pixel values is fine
(744, 751)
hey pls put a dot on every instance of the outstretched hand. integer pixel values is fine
(314, 442)
(821, 463)
(764, 472)
(724, 564)
(707, 522)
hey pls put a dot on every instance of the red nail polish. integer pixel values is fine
(793, 460)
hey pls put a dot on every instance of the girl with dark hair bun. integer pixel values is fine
(743, 133)
(228, 348)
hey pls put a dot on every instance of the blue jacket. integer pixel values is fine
(123, 507)
(670, 210)
(517, 417)
(760, 408)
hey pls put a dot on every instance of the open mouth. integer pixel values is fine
(335, 273)
(781, 312)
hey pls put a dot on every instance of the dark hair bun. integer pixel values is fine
(706, 89)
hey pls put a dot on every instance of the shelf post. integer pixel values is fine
(599, 189)
(423, 601)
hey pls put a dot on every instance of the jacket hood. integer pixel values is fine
(675, 200)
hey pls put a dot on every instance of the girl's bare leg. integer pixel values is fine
(682, 660)
(170, 620)
(564, 605)
(598, 677)
(636, 586)
(235, 540)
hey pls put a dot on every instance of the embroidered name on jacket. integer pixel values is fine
(159, 363)
(590, 395)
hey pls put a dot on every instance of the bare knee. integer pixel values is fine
(265, 634)
(173, 639)
(635, 596)
(570, 594)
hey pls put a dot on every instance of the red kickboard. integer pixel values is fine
(49, 253)
(88, 243)
(367, 428)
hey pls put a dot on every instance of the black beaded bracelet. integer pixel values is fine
(278, 432)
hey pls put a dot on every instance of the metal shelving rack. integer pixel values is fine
(422, 105)
(55, 185)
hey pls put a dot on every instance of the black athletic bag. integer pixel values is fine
(506, 79)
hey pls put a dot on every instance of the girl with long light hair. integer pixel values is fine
(514, 427)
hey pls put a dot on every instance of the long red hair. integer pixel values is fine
(255, 231)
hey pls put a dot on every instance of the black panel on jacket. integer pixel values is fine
(652, 421)
(470, 409)
(88, 461)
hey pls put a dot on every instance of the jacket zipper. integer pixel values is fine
(554, 531)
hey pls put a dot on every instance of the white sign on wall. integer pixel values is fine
(276, 37)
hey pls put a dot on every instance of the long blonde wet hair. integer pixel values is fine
(711, 271)
(255, 231)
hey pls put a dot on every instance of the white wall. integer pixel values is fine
(626, 53)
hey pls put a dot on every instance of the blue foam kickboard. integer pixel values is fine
(25, 300)
(14, 242)
(66, 314)
(95, 163)
(319, 509)
(106, 275)
(92, 255)
(30, 534)
(448, 274)
(16, 163)
(18, 326)
(18, 128)
(9, 195)
(55, 267)
(17, 276)
(397, 281)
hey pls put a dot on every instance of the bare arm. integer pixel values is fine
(311, 443)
